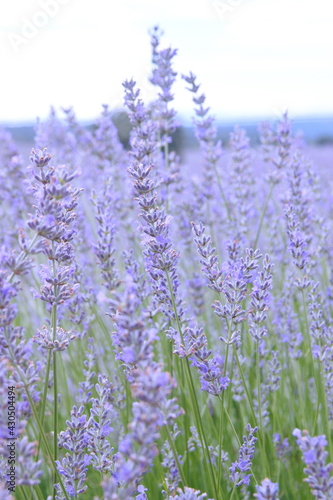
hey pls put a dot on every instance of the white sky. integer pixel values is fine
(253, 57)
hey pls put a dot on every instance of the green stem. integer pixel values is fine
(193, 394)
(24, 494)
(175, 454)
(46, 383)
(48, 451)
(55, 423)
(225, 369)
(219, 183)
(55, 381)
(263, 213)
(260, 433)
(237, 439)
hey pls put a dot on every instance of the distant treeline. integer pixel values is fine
(314, 130)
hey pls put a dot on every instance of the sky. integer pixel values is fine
(254, 58)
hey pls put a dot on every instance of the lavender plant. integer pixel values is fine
(177, 306)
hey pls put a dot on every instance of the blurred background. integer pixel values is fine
(254, 58)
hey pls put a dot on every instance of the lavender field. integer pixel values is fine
(166, 325)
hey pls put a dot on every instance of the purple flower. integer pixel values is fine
(73, 467)
(245, 456)
(315, 456)
(267, 490)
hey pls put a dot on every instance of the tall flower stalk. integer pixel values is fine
(53, 220)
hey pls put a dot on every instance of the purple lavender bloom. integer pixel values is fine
(190, 494)
(99, 426)
(28, 469)
(282, 446)
(315, 456)
(142, 493)
(267, 490)
(260, 300)
(241, 182)
(209, 259)
(161, 258)
(73, 467)
(172, 477)
(137, 450)
(163, 77)
(13, 346)
(206, 133)
(143, 138)
(239, 468)
(132, 339)
(104, 249)
(54, 221)
(85, 387)
(4, 492)
(46, 340)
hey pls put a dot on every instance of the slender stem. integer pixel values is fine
(260, 433)
(237, 438)
(49, 453)
(46, 383)
(55, 378)
(175, 455)
(261, 428)
(328, 430)
(166, 165)
(225, 369)
(193, 393)
(263, 213)
(219, 183)
(55, 423)
(233, 492)
(259, 385)
(24, 493)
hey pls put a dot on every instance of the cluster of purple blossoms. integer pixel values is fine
(241, 183)
(143, 137)
(243, 465)
(161, 264)
(260, 300)
(277, 147)
(136, 451)
(133, 340)
(315, 456)
(163, 77)
(267, 490)
(15, 350)
(206, 133)
(116, 435)
(170, 464)
(73, 467)
(282, 446)
(53, 220)
(104, 249)
(190, 494)
(230, 282)
(13, 202)
(150, 385)
(99, 426)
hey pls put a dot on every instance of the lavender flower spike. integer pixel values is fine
(74, 465)
(190, 494)
(244, 462)
(267, 490)
(314, 457)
